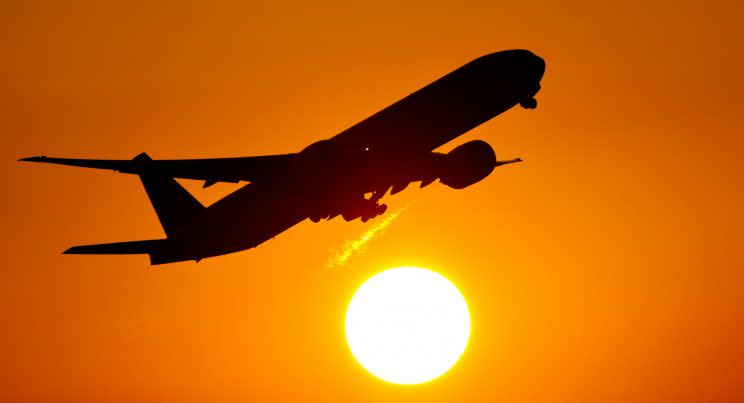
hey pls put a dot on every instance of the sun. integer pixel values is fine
(407, 325)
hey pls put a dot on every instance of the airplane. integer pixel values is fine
(345, 175)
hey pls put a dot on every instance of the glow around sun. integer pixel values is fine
(407, 325)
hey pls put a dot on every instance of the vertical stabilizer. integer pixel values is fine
(173, 204)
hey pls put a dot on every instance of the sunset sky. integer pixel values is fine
(607, 267)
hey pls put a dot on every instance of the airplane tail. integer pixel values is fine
(155, 248)
(173, 204)
(117, 248)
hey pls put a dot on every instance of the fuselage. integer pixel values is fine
(379, 152)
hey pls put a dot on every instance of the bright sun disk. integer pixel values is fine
(407, 325)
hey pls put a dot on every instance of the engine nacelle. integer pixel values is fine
(467, 164)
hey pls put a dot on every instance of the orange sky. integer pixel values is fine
(605, 268)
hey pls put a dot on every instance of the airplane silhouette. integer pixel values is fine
(345, 175)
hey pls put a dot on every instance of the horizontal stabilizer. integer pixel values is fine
(117, 248)
(155, 248)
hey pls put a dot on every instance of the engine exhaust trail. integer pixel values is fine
(358, 245)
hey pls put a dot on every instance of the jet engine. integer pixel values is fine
(467, 164)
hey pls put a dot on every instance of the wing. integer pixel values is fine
(251, 169)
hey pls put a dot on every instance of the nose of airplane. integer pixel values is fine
(527, 64)
(538, 66)
(534, 65)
